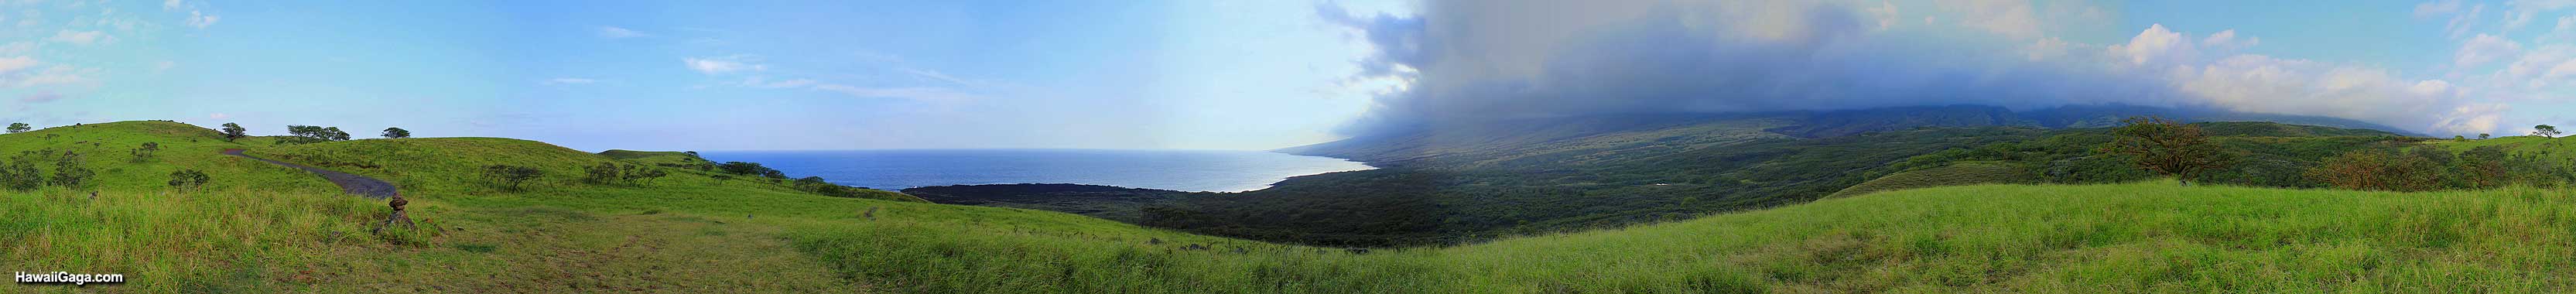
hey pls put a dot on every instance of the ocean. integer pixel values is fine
(1183, 170)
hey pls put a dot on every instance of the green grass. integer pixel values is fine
(1955, 174)
(264, 229)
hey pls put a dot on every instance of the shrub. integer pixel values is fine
(187, 179)
(20, 172)
(144, 154)
(2379, 169)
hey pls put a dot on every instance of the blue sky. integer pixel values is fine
(1234, 74)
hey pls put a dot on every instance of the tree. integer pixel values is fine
(2544, 131)
(17, 127)
(20, 172)
(2482, 136)
(334, 134)
(511, 176)
(2378, 169)
(144, 154)
(747, 169)
(811, 183)
(2459, 138)
(234, 131)
(187, 179)
(70, 172)
(2166, 147)
(396, 133)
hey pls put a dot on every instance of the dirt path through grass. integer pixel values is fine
(349, 183)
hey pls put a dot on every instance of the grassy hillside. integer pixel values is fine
(259, 230)
(2149, 237)
(1955, 174)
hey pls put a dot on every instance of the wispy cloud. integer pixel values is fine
(620, 33)
(83, 38)
(40, 97)
(201, 20)
(721, 65)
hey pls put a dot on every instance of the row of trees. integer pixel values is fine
(234, 131)
(607, 173)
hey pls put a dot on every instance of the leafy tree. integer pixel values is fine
(2166, 147)
(749, 169)
(186, 179)
(334, 134)
(18, 127)
(395, 133)
(2481, 167)
(234, 131)
(510, 176)
(2459, 138)
(70, 171)
(2544, 131)
(2482, 136)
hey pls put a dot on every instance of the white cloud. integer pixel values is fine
(2436, 8)
(201, 20)
(2461, 23)
(923, 94)
(13, 64)
(170, 4)
(1885, 13)
(2484, 48)
(2011, 18)
(2227, 40)
(83, 38)
(619, 33)
(2156, 45)
(720, 65)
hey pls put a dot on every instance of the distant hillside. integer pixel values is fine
(1483, 140)
(1113, 203)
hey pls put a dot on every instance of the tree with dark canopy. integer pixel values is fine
(234, 131)
(2166, 147)
(396, 133)
(18, 127)
(2544, 131)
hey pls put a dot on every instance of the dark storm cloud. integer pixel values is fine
(1476, 60)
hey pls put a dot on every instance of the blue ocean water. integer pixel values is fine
(1184, 170)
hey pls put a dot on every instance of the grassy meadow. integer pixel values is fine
(262, 228)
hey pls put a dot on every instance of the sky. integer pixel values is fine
(798, 75)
